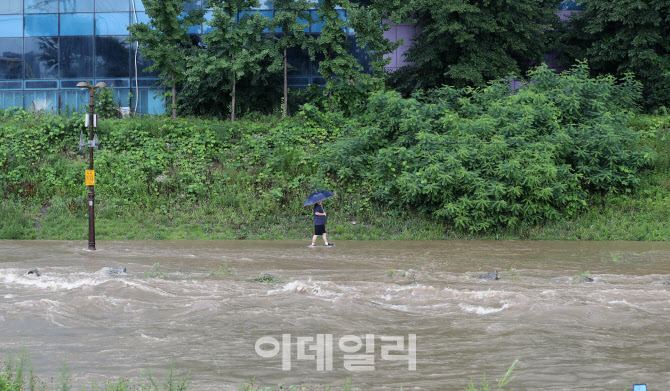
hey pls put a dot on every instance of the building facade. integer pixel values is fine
(48, 46)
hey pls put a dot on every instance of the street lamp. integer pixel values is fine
(90, 174)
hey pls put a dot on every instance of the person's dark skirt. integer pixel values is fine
(319, 229)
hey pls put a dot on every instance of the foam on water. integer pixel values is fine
(308, 287)
(51, 282)
(479, 310)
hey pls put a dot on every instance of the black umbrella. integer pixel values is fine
(318, 196)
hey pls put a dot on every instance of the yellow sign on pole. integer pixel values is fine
(90, 177)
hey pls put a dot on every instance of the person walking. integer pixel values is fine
(320, 225)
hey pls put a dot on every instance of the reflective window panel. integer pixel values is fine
(11, 58)
(142, 64)
(139, 17)
(112, 23)
(112, 57)
(11, 6)
(76, 58)
(11, 99)
(73, 100)
(40, 6)
(76, 24)
(41, 25)
(11, 25)
(112, 5)
(266, 4)
(41, 58)
(76, 5)
(40, 100)
(137, 4)
(298, 61)
(192, 5)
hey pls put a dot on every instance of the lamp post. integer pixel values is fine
(90, 174)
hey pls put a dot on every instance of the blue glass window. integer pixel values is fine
(112, 24)
(298, 60)
(142, 64)
(73, 99)
(11, 58)
(40, 100)
(139, 6)
(41, 57)
(11, 85)
(114, 83)
(266, 5)
(112, 5)
(76, 57)
(121, 96)
(142, 17)
(318, 26)
(76, 24)
(267, 14)
(11, 6)
(206, 28)
(192, 5)
(41, 25)
(11, 99)
(41, 6)
(112, 57)
(41, 84)
(76, 5)
(149, 102)
(11, 26)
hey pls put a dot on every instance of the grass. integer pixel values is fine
(485, 386)
(156, 272)
(269, 279)
(16, 374)
(238, 207)
(223, 270)
(640, 216)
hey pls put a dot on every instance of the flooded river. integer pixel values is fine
(325, 315)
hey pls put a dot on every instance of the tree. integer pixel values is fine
(333, 48)
(368, 22)
(164, 40)
(288, 16)
(236, 47)
(620, 36)
(469, 42)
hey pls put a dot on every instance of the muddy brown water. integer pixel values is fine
(567, 334)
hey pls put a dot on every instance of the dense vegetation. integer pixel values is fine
(241, 65)
(486, 162)
(623, 36)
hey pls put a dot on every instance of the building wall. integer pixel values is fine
(48, 46)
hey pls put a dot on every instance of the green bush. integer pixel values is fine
(475, 160)
(485, 158)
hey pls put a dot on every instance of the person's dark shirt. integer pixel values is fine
(319, 220)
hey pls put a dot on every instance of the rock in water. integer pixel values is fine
(587, 279)
(109, 271)
(667, 282)
(490, 276)
(33, 271)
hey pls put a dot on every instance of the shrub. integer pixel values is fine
(491, 157)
